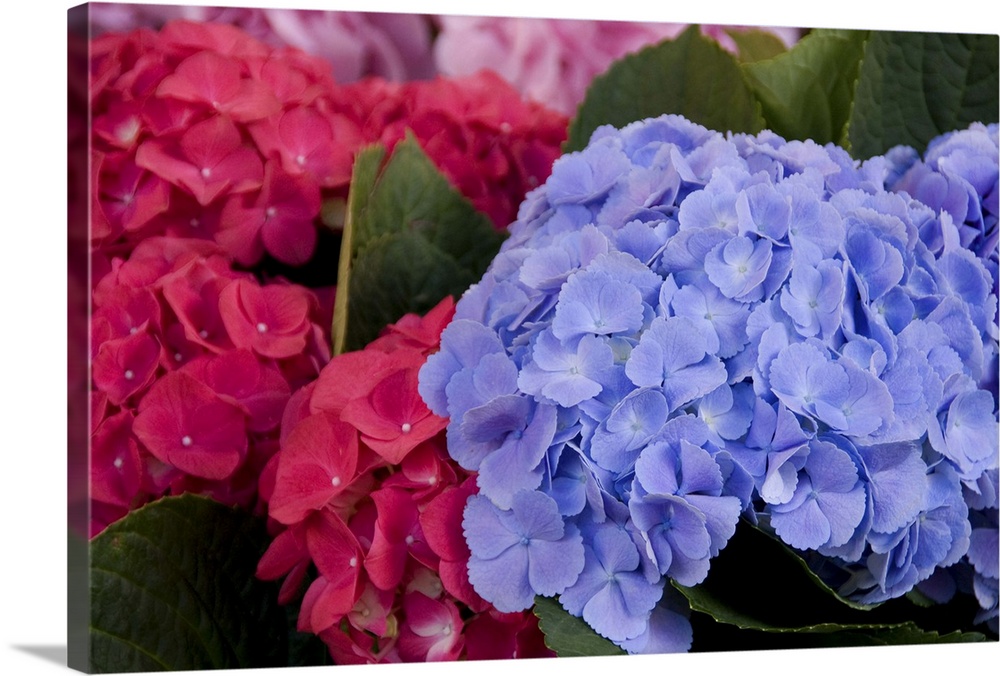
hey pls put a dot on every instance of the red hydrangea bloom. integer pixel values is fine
(200, 113)
(491, 144)
(377, 508)
(201, 130)
(179, 405)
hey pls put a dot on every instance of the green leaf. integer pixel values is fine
(690, 76)
(173, 589)
(913, 87)
(785, 593)
(365, 172)
(569, 636)
(761, 586)
(410, 240)
(755, 44)
(806, 92)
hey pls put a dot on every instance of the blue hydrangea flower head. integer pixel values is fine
(685, 328)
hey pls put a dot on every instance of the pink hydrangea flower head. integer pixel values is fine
(386, 540)
(548, 60)
(206, 412)
(485, 138)
(356, 44)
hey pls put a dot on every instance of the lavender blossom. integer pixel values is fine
(726, 326)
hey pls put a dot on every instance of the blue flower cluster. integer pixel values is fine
(685, 328)
(958, 177)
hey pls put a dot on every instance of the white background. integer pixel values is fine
(33, 329)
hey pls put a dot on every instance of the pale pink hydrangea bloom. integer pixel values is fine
(357, 44)
(553, 61)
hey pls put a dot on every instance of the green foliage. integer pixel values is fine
(865, 90)
(173, 588)
(690, 76)
(756, 45)
(806, 92)
(410, 240)
(759, 584)
(915, 86)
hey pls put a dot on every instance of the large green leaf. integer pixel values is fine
(759, 584)
(915, 86)
(806, 92)
(569, 636)
(690, 76)
(410, 240)
(173, 588)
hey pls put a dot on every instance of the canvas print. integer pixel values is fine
(406, 338)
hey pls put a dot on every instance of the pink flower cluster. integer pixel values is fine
(192, 365)
(363, 490)
(202, 131)
(491, 144)
(554, 60)
(357, 44)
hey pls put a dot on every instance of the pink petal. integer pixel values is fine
(318, 460)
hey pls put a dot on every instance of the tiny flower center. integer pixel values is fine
(432, 480)
(525, 540)
(177, 356)
(133, 330)
(118, 463)
(365, 612)
(186, 440)
(406, 427)
(129, 375)
(335, 481)
(447, 630)
(262, 327)
(300, 160)
(270, 212)
(195, 223)
(409, 539)
(203, 333)
(353, 563)
(205, 172)
(127, 131)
